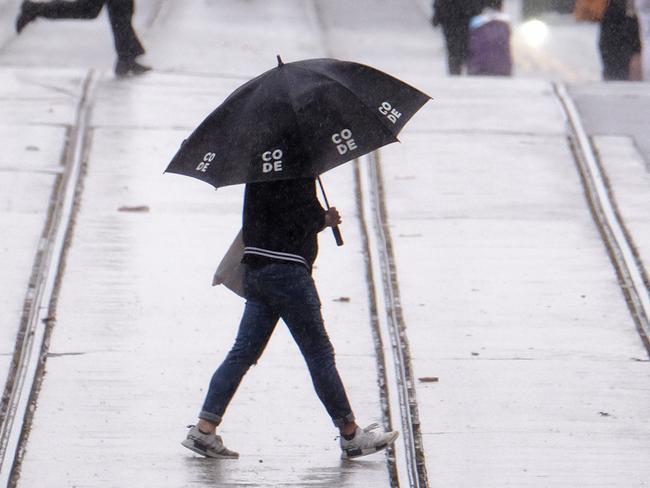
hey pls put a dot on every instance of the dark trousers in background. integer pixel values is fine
(120, 13)
(457, 41)
(619, 40)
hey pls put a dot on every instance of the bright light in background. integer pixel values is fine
(534, 32)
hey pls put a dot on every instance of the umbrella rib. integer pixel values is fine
(371, 109)
(256, 89)
(295, 115)
(247, 103)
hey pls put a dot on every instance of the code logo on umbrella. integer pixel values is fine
(272, 161)
(207, 159)
(344, 141)
(390, 113)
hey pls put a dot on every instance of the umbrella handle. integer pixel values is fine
(335, 229)
(337, 235)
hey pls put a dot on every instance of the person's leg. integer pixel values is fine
(643, 14)
(616, 42)
(127, 45)
(456, 38)
(63, 9)
(255, 329)
(308, 330)
(57, 9)
(120, 13)
(294, 297)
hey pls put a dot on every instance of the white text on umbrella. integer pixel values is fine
(272, 161)
(207, 159)
(344, 141)
(390, 113)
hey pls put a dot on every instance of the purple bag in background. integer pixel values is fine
(489, 44)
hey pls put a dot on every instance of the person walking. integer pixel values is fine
(454, 16)
(281, 222)
(489, 42)
(120, 13)
(619, 40)
(643, 16)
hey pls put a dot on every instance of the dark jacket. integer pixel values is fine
(619, 40)
(455, 11)
(281, 222)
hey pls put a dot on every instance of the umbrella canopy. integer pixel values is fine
(297, 120)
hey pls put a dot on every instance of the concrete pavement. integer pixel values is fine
(509, 296)
(38, 112)
(541, 372)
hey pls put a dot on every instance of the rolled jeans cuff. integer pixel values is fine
(340, 422)
(210, 417)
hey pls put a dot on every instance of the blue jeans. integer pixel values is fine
(277, 291)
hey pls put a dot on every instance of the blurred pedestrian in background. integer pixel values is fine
(120, 13)
(643, 16)
(489, 42)
(453, 16)
(619, 42)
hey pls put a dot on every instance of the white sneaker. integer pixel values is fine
(208, 445)
(366, 442)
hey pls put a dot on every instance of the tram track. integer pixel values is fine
(395, 379)
(395, 375)
(38, 318)
(630, 271)
(397, 386)
(27, 367)
(406, 463)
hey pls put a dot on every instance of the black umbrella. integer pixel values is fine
(297, 120)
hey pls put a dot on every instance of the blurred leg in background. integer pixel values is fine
(120, 12)
(456, 38)
(643, 15)
(454, 16)
(127, 44)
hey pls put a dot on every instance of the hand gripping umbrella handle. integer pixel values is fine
(335, 229)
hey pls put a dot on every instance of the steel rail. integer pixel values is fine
(30, 353)
(409, 458)
(601, 200)
(375, 317)
(405, 464)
